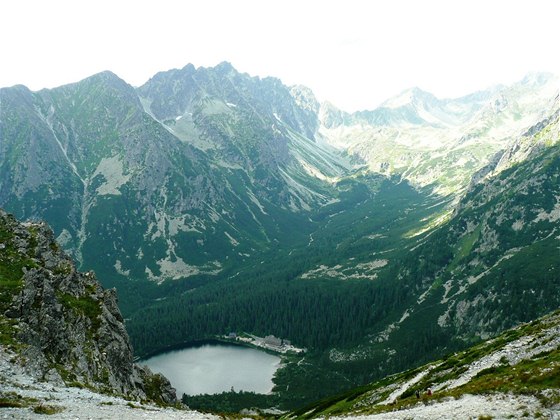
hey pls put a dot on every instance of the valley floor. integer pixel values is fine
(497, 406)
(36, 398)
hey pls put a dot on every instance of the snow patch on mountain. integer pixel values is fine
(119, 269)
(312, 171)
(365, 271)
(372, 265)
(299, 192)
(256, 201)
(175, 268)
(551, 216)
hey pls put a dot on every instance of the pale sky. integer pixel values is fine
(354, 53)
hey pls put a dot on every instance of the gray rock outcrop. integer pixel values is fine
(69, 329)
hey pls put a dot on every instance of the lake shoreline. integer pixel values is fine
(240, 341)
(191, 344)
(215, 366)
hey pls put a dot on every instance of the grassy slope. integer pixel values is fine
(524, 360)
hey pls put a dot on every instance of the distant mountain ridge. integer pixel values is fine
(439, 142)
(74, 152)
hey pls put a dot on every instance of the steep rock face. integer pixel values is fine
(543, 134)
(513, 222)
(175, 93)
(31, 163)
(220, 160)
(501, 259)
(66, 326)
(254, 126)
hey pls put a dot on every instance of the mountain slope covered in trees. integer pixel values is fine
(514, 375)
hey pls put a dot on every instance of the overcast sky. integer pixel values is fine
(354, 53)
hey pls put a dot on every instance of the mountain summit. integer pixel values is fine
(413, 96)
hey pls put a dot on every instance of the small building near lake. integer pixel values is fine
(270, 340)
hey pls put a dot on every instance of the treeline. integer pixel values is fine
(315, 314)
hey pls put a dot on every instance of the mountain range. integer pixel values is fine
(215, 201)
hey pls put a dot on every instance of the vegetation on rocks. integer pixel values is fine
(63, 325)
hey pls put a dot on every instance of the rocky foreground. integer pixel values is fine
(498, 406)
(23, 396)
(64, 349)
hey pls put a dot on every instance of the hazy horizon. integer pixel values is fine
(354, 54)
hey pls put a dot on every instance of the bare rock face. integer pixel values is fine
(69, 329)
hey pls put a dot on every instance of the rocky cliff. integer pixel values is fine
(62, 326)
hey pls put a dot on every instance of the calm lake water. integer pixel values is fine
(214, 368)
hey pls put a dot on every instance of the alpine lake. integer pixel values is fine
(215, 367)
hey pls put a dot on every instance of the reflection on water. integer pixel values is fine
(214, 368)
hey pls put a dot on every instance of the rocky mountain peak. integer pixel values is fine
(412, 96)
(225, 67)
(330, 116)
(305, 98)
(105, 75)
(538, 78)
(106, 79)
(16, 89)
